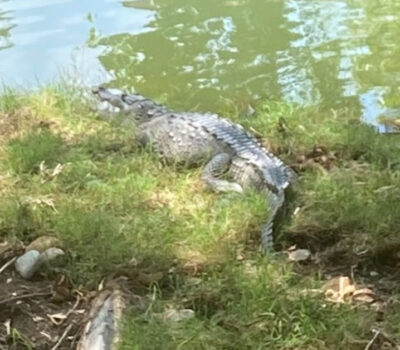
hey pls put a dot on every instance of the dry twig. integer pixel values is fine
(25, 296)
(59, 318)
(372, 341)
(62, 337)
(7, 264)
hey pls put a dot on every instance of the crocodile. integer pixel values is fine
(193, 139)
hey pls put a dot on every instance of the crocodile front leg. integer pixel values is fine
(216, 167)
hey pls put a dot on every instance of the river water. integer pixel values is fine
(212, 54)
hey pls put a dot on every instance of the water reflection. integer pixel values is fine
(309, 52)
(379, 74)
(210, 55)
(324, 39)
(46, 34)
(203, 54)
(6, 26)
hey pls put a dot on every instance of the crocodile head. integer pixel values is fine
(136, 107)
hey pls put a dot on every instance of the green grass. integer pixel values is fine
(118, 212)
(238, 308)
(39, 146)
(368, 205)
(9, 100)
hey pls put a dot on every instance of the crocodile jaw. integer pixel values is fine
(134, 106)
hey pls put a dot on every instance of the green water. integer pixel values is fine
(213, 55)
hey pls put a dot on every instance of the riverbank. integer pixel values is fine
(64, 172)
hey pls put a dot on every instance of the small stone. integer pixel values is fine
(49, 255)
(299, 255)
(324, 159)
(178, 315)
(193, 281)
(133, 262)
(301, 158)
(28, 263)
(42, 243)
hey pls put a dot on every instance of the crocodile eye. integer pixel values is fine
(124, 98)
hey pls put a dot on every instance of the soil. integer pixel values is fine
(35, 314)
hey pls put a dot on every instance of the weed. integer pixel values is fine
(94, 237)
(26, 153)
(20, 341)
(19, 221)
(10, 100)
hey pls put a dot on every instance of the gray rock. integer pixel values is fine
(28, 263)
(299, 255)
(50, 254)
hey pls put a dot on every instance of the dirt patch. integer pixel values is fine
(11, 123)
(48, 312)
(347, 255)
(40, 313)
(318, 157)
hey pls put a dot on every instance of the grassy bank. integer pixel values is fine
(65, 172)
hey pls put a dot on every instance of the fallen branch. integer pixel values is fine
(104, 321)
(62, 337)
(25, 296)
(7, 264)
(372, 341)
(379, 333)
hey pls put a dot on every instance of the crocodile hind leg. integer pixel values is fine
(216, 167)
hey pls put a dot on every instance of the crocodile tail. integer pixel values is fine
(267, 239)
(281, 172)
(290, 174)
(285, 174)
(276, 201)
